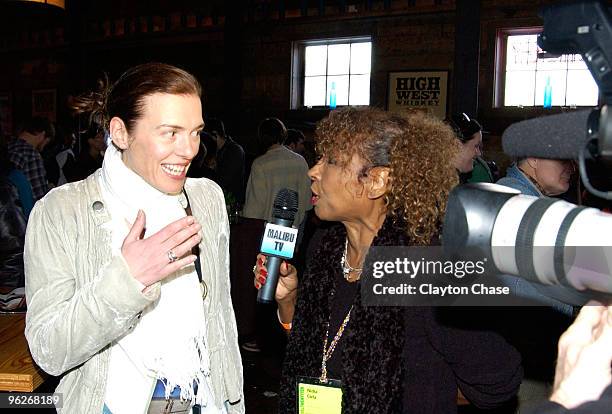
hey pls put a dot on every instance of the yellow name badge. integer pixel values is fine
(314, 397)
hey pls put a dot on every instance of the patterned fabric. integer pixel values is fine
(25, 158)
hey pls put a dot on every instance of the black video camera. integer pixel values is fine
(585, 28)
(545, 240)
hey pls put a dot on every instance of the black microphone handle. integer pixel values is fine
(267, 291)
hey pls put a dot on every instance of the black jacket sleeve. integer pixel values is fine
(487, 369)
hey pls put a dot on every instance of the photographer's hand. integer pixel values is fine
(585, 353)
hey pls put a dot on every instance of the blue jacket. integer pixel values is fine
(516, 179)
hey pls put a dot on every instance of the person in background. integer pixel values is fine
(229, 161)
(90, 158)
(485, 171)
(48, 151)
(66, 156)
(127, 278)
(310, 154)
(556, 305)
(469, 134)
(295, 141)
(17, 180)
(369, 181)
(539, 176)
(278, 168)
(470, 162)
(12, 233)
(203, 165)
(24, 153)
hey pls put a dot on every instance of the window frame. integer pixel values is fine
(298, 68)
(499, 81)
(501, 44)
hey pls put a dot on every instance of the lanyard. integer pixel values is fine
(327, 352)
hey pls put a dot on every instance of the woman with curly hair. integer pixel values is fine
(385, 179)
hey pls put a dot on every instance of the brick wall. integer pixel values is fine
(68, 54)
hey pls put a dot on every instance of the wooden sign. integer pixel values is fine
(424, 91)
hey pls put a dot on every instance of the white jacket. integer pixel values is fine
(80, 298)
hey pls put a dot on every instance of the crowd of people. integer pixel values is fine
(124, 266)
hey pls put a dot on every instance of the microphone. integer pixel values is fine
(278, 241)
(558, 136)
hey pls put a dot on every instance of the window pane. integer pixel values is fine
(361, 57)
(576, 62)
(581, 88)
(527, 76)
(316, 60)
(522, 52)
(557, 83)
(360, 90)
(338, 59)
(314, 91)
(340, 85)
(553, 63)
(520, 87)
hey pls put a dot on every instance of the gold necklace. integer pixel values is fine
(347, 269)
(328, 351)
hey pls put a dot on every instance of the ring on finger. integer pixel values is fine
(255, 269)
(171, 257)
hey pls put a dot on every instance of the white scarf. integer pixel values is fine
(169, 341)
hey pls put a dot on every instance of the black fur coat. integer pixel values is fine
(394, 359)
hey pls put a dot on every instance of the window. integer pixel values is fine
(529, 75)
(337, 69)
